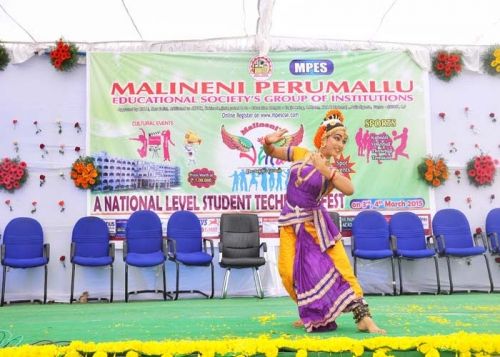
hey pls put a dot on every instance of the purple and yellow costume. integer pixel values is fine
(313, 264)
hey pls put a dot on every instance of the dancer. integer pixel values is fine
(313, 265)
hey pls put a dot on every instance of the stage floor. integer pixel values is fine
(197, 319)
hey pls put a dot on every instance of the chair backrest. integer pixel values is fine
(370, 231)
(185, 228)
(335, 216)
(454, 227)
(91, 237)
(493, 226)
(23, 238)
(239, 234)
(409, 231)
(144, 232)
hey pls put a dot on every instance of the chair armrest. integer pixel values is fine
(112, 251)
(211, 243)
(171, 248)
(72, 251)
(125, 249)
(483, 239)
(430, 242)
(492, 237)
(440, 242)
(393, 242)
(263, 246)
(46, 251)
(220, 245)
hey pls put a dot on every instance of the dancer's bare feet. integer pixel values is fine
(368, 325)
(298, 323)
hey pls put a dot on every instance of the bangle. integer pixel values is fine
(333, 174)
(266, 142)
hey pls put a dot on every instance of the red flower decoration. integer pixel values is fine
(64, 56)
(61, 204)
(44, 150)
(479, 230)
(42, 180)
(78, 127)
(62, 259)
(481, 170)
(458, 175)
(14, 122)
(492, 116)
(7, 202)
(447, 65)
(447, 199)
(13, 174)
(34, 203)
(442, 115)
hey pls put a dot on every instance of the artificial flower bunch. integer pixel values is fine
(491, 60)
(447, 65)
(64, 56)
(4, 57)
(433, 170)
(84, 173)
(481, 170)
(13, 173)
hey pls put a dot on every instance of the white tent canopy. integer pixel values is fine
(28, 26)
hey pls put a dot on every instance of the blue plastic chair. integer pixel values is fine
(493, 230)
(90, 247)
(370, 240)
(23, 248)
(143, 246)
(454, 239)
(185, 247)
(409, 242)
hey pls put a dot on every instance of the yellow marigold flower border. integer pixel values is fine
(463, 344)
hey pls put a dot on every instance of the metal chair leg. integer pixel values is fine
(258, 283)
(400, 277)
(111, 284)
(45, 285)
(176, 281)
(437, 275)
(393, 277)
(212, 275)
(449, 274)
(224, 285)
(72, 283)
(489, 273)
(164, 282)
(3, 284)
(126, 282)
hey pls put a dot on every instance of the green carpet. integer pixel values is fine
(241, 317)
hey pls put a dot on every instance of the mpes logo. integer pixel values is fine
(311, 67)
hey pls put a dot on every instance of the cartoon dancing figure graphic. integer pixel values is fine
(191, 139)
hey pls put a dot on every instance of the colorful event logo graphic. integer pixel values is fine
(311, 67)
(202, 178)
(344, 165)
(154, 142)
(260, 67)
(246, 147)
(381, 146)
